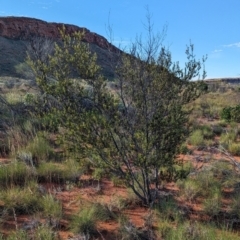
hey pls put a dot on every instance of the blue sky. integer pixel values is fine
(213, 26)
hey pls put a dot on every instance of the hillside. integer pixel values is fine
(16, 33)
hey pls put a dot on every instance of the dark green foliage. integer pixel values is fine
(183, 149)
(217, 129)
(235, 113)
(231, 114)
(226, 113)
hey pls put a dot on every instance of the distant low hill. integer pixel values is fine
(16, 33)
(223, 80)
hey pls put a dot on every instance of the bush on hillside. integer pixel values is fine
(231, 114)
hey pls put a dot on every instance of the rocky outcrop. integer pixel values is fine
(16, 34)
(24, 28)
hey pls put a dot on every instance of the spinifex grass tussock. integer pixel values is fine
(212, 204)
(51, 207)
(14, 98)
(235, 205)
(234, 148)
(52, 172)
(182, 169)
(196, 138)
(116, 203)
(15, 173)
(164, 228)
(59, 172)
(167, 210)
(189, 189)
(206, 182)
(42, 232)
(20, 133)
(127, 230)
(207, 131)
(228, 138)
(191, 231)
(21, 200)
(86, 220)
(17, 139)
(40, 148)
(202, 136)
(224, 172)
(202, 184)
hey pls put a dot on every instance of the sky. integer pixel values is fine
(213, 26)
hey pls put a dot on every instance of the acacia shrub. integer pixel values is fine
(135, 132)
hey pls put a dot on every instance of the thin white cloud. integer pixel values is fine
(45, 5)
(217, 51)
(237, 44)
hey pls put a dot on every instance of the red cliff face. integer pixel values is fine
(25, 28)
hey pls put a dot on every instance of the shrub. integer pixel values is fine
(231, 114)
(90, 132)
(225, 114)
(217, 129)
(235, 113)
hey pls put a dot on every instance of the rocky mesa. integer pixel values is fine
(15, 32)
